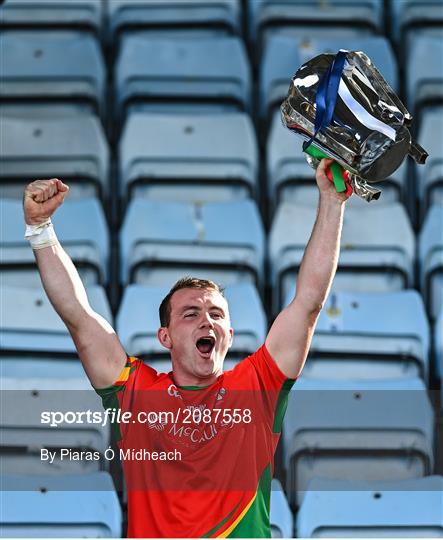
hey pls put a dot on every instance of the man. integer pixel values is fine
(224, 427)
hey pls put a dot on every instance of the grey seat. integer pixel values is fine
(281, 519)
(81, 228)
(404, 509)
(377, 248)
(71, 148)
(283, 55)
(163, 241)
(59, 507)
(431, 260)
(41, 68)
(188, 157)
(138, 322)
(266, 17)
(291, 179)
(50, 14)
(430, 176)
(361, 336)
(349, 430)
(188, 17)
(183, 75)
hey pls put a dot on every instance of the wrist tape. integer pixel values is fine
(41, 235)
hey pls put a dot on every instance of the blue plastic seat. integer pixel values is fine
(283, 55)
(291, 179)
(72, 148)
(183, 75)
(407, 17)
(83, 506)
(431, 260)
(424, 73)
(138, 322)
(377, 248)
(361, 336)
(171, 18)
(357, 430)
(189, 157)
(308, 16)
(430, 176)
(41, 68)
(438, 347)
(163, 241)
(404, 509)
(53, 14)
(281, 519)
(81, 228)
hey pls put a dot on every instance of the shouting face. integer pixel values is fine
(198, 336)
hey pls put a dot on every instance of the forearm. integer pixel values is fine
(62, 284)
(320, 259)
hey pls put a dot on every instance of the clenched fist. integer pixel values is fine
(42, 198)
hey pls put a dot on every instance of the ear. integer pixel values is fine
(164, 338)
(231, 332)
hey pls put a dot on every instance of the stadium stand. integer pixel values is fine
(431, 260)
(289, 177)
(83, 506)
(73, 148)
(377, 248)
(86, 241)
(171, 18)
(361, 336)
(283, 55)
(406, 509)
(282, 522)
(162, 241)
(357, 430)
(53, 15)
(430, 177)
(40, 69)
(170, 157)
(181, 76)
(409, 17)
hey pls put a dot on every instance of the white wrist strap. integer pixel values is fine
(41, 235)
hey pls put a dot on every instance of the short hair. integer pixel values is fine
(187, 282)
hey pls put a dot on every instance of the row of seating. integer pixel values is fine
(181, 76)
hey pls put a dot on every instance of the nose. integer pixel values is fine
(206, 321)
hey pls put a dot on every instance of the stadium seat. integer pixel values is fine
(188, 157)
(42, 68)
(282, 522)
(52, 14)
(357, 430)
(83, 506)
(430, 176)
(438, 347)
(314, 17)
(377, 248)
(424, 73)
(291, 179)
(163, 241)
(183, 75)
(138, 320)
(404, 509)
(73, 149)
(171, 18)
(431, 260)
(361, 336)
(85, 240)
(283, 55)
(408, 17)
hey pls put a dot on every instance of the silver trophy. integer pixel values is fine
(345, 110)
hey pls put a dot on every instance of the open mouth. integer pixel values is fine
(205, 345)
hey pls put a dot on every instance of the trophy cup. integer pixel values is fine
(345, 110)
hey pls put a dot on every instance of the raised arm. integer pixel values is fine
(290, 336)
(98, 346)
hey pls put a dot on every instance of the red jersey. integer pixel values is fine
(198, 462)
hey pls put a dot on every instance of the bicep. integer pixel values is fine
(290, 337)
(99, 349)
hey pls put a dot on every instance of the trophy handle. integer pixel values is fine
(335, 172)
